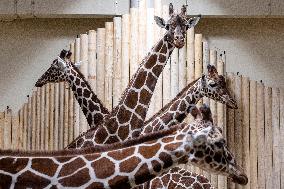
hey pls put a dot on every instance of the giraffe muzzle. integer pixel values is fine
(240, 179)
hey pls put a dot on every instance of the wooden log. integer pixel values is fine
(221, 116)
(47, 117)
(213, 107)
(166, 80)
(206, 61)
(101, 63)
(38, 113)
(198, 56)
(238, 122)
(268, 138)
(282, 135)
(34, 120)
(29, 125)
(182, 68)
(8, 129)
(190, 49)
(15, 131)
(61, 116)
(76, 104)
(108, 64)
(2, 118)
(231, 120)
(134, 61)
(51, 116)
(245, 126)
(125, 38)
(260, 136)
(117, 90)
(66, 116)
(56, 117)
(142, 21)
(174, 74)
(276, 137)
(253, 135)
(25, 131)
(70, 116)
(92, 67)
(84, 69)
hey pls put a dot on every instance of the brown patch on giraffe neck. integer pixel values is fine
(13, 165)
(77, 179)
(149, 151)
(129, 165)
(45, 166)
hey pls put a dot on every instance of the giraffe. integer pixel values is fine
(91, 106)
(126, 164)
(127, 118)
(212, 86)
(183, 175)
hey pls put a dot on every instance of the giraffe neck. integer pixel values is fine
(127, 118)
(176, 110)
(91, 106)
(119, 168)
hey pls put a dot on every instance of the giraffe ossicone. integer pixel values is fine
(122, 165)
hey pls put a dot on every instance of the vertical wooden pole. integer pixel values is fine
(253, 135)
(125, 51)
(92, 67)
(206, 61)
(269, 183)
(2, 119)
(231, 120)
(61, 116)
(167, 70)
(182, 68)
(108, 64)
(282, 135)
(25, 114)
(42, 116)
(238, 122)
(142, 21)
(174, 73)
(190, 55)
(221, 116)
(8, 129)
(15, 131)
(29, 126)
(76, 104)
(213, 107)
(133, 40)
(84, 69)
(198, 56)
(56, 116)
(38, 113)
(66, 116)
(117, 69)
(275, 130)
(47, 117)
(245, 126)
(260, 136)
(34, 119)
(51, 116)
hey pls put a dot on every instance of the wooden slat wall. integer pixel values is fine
(51, 117)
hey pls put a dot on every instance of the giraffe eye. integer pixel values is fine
(213, 84)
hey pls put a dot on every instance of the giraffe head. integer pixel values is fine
(214, 86)
(177, 25)
(55, 73)
(211, 152)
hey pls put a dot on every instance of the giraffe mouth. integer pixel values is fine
(179, 44)
(240, 179)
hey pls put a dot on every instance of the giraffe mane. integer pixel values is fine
(96, 149)
(171, 102)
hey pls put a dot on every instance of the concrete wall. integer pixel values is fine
(27, 50)
(254, 48)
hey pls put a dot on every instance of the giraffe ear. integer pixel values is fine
(192, 22)
(160, 21)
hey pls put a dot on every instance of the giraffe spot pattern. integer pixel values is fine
(16, 165)
(77, 179)
(128, 165)
(106, 171)
(45, 166)
(30, 180)
(149, 151)
(71, 167)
